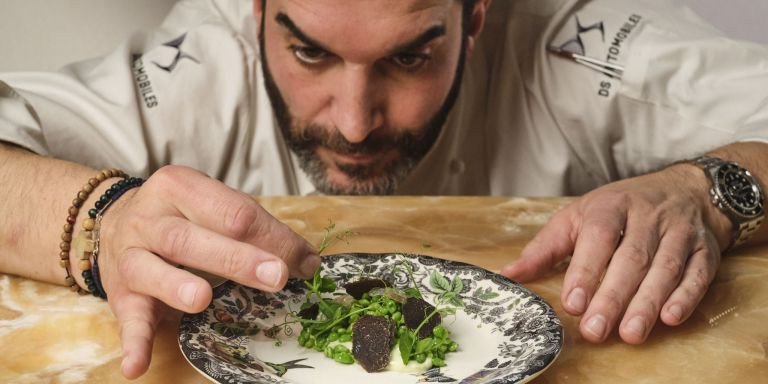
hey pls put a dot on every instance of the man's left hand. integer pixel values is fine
(646, 247)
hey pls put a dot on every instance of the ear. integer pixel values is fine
(258, 9)
(476, 22)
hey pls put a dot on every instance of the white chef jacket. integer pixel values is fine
(529, 121)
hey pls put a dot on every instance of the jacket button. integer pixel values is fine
(457, 166)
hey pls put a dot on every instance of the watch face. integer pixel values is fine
(739, 190)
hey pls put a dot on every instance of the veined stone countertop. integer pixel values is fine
(48, 334)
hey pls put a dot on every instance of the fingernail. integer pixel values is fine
(270, 273)
(636, 326)
(596, 325)
(676, 311)
(187, 293)
(577, 300)
(310, 265)
(124, 365)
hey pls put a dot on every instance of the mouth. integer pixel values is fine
(357, 159)
(357, 166)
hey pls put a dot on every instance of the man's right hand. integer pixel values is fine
(181, 217)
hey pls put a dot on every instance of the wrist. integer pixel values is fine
(89, 203)
(695, 181)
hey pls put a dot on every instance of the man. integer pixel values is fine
(400, 96)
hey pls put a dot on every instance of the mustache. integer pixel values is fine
(314, 136)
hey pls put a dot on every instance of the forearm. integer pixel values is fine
(36, 194)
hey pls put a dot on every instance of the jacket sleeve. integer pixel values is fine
(186, 85)
(685, 88)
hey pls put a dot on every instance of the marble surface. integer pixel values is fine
(48, 334)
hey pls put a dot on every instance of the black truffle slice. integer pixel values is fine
(357, 288)
(415, 310)
(372, 338)
(310, 313)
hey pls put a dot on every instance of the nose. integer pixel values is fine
(356, 112)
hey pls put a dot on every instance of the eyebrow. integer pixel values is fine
(423, 39)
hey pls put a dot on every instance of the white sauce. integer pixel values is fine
(396, 363)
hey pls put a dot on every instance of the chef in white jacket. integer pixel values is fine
(606, 99)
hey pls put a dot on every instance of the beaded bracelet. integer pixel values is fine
(74, 209)
(89, 236)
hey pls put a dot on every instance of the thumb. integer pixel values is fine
(137, 318)
(553, 244)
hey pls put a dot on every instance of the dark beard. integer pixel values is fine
(411, 148)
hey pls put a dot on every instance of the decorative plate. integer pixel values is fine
(506, 333)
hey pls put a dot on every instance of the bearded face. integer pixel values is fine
(360, 113)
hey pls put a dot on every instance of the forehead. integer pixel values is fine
(359, 25)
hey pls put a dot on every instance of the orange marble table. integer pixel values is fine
(48, 334)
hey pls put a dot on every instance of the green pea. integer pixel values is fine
(443, 348)
(344, 358)
(310, 343)
(345, 337)
(333, 336)
(439, 331)
(363, 302)
(421, 358)
(453, 347)
(397, 316)
(339, 348)
(329, 352)
(438, 362)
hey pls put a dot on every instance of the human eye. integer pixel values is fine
(410, 61)
(309, 55)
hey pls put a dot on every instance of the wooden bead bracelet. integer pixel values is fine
(74, 209)
(88, 238)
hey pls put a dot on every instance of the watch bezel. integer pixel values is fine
(723, 196)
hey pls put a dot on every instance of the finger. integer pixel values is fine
(552, 245)
(597, 239)
(213, 205)
(137, 319)
(148, 274)
(663, 276)
(698, 275)
(626, 270)
(185, 243)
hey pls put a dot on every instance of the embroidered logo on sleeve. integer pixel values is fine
(576, 44)
(598, 40)
(180, 55)
(169, 57)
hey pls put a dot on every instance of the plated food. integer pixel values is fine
(490, 330)
(378, 325)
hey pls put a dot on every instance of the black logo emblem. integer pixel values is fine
(576, 45)
(176, 44)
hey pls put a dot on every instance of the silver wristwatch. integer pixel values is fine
(735, 192)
